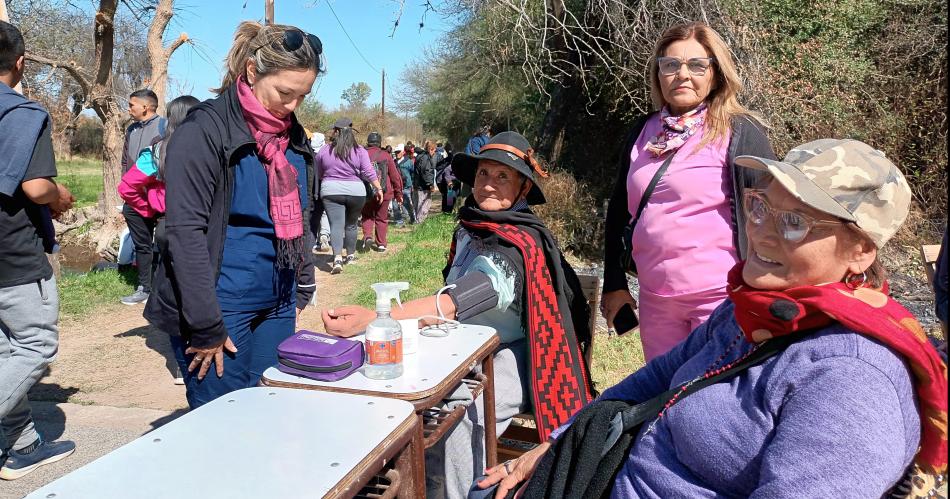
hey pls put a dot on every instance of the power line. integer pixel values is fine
(350, 39)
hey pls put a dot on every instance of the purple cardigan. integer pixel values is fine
(831, 416)
(329, 167)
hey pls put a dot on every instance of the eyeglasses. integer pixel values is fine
(697, 66)
(793, 226)
(293, 39)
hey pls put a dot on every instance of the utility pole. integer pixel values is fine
(383, 105)
(268, 11)
(4, 16)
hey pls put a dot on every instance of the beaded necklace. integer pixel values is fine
(712, 370)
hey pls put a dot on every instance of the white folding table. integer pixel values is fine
(254, 443)
(429, 375)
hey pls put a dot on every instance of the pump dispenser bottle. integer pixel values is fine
(383, 335)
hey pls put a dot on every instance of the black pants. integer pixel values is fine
(343, 213)
(142, 230)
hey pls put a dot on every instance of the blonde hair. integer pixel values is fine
(429, 146)
(264, 45)
(722, 102)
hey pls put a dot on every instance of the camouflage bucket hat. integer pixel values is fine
(844, 178)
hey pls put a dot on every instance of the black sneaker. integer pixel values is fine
(349, 259)
(19, 463)
(380, 248)
(139, 296)
(365, 245)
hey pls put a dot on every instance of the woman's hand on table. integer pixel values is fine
(347, 320)
(204, 356)
(612, 301)
(510, 473)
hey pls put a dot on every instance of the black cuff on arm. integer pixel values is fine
(473, 294)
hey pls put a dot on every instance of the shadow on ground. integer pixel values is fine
(158, 341)
(52, 392)
(50, 420)
(323, 261)
(169, 418)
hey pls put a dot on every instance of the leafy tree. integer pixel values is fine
(356, 95)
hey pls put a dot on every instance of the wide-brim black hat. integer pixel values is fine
(510, 149)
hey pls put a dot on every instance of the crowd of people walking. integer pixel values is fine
(762, 297)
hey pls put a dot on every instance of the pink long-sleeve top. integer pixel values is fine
(141, 190)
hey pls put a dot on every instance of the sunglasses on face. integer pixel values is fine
(793, 226)
(696, 66)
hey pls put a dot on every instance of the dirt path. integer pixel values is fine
(112, 357)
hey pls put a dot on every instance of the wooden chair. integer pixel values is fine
(929, 254)
(521, 435)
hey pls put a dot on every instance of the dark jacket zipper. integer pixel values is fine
(310, 369)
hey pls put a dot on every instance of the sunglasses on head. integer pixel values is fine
(293, 39)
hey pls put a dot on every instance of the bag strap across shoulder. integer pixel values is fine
(639, 413)
(651, 186)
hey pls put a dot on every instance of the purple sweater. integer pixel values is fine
(329, 167)
(831, 416)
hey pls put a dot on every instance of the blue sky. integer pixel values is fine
(369, 23)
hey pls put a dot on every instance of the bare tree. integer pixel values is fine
(158, 53)
(96, 85)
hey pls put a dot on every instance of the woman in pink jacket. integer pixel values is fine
(143, 186)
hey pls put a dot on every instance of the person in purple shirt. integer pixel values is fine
(343, 166)
(837, 413)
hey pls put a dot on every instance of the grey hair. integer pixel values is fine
(264, 45)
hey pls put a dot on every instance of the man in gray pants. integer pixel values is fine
(29, 303)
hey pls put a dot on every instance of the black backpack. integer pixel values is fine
(382, 174)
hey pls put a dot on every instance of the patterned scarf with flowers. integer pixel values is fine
(676, 129)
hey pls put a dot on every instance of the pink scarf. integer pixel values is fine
(273, 137)
(676, 130)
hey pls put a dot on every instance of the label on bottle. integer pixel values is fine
(384, 352)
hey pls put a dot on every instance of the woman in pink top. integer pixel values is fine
(689, 233)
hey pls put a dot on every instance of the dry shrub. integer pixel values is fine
(573, 215)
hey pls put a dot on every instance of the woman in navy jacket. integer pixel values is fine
(238, 173)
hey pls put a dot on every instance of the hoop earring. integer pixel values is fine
(855, 281)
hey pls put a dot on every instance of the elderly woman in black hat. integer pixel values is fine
(505, 271)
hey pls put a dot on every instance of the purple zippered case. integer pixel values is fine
(319, 356)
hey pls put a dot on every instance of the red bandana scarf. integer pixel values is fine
(764, 314)
(271, 134)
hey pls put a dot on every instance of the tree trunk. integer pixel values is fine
(551, 135)
(158, 54)
(113, 138)
(106, 107)
(552, 127)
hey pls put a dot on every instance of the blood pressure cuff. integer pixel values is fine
(473, 294)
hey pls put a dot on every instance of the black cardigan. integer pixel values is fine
(199, 185)
(748, 138)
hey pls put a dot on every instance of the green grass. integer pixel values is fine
(419, 261)
(83, 177)
(82, 294)
(614, 358)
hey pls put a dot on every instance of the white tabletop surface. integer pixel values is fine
(436, 359)
(253, 443)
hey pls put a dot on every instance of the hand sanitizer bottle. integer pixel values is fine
(383, 335)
